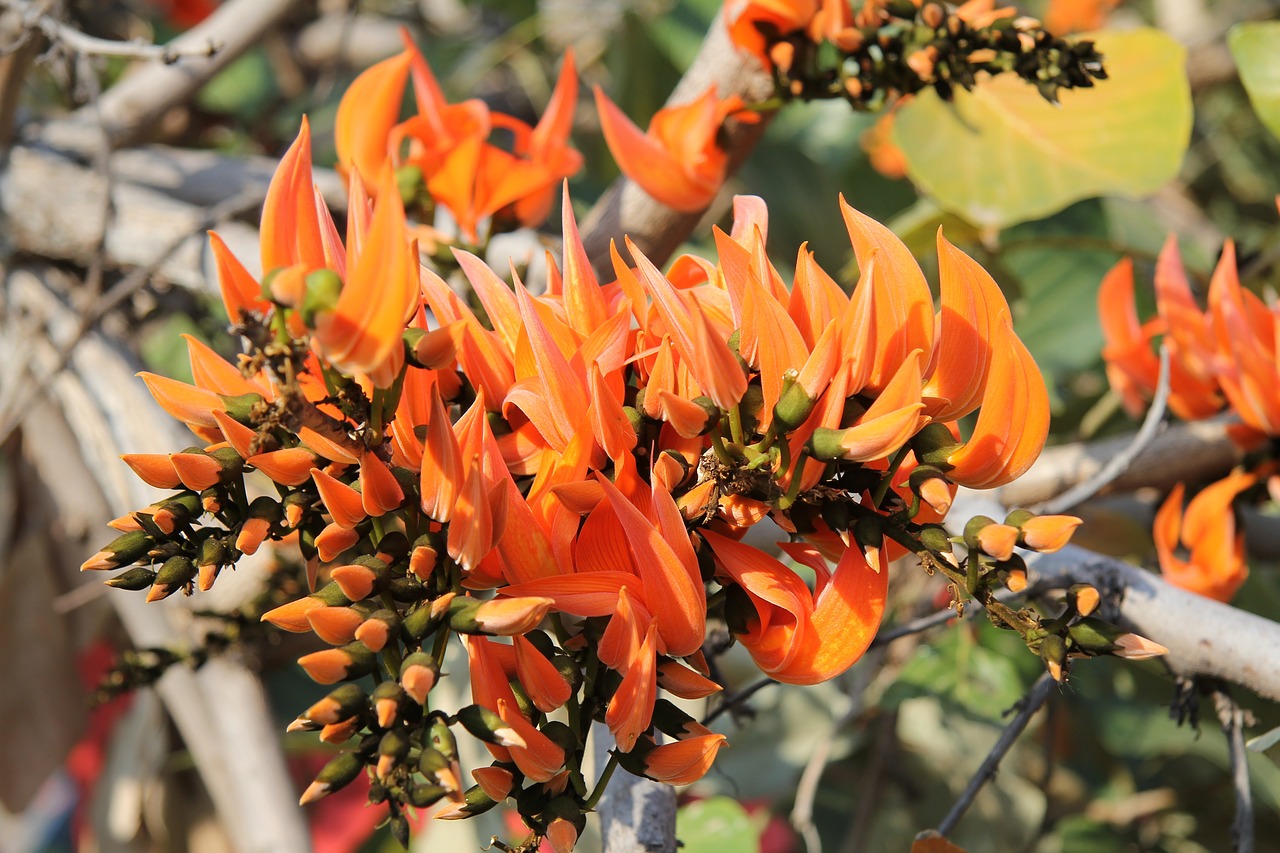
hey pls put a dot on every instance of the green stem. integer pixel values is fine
(793, 489)
(882, 488)
(605, 776)
(735, 425)
(441, 645)
(718, 446)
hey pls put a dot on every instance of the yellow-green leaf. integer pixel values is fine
(1256, 49)
(1002, 155)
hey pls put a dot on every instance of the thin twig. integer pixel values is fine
(14, 413)
(64, 35)
(1121, 461)
(132, 107)
(807, 787)
(737, 699)
(1030, 704)
(1232, 719)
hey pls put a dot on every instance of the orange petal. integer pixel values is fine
(630, 711)
(380, 295)
(541, 758)
(971, 304)
(240, 290)
(541, 680)
(1013, 422)
(290, 226)
(343, 502)
(289, 467)
(677, 602)
(903, 304)
(442, 472)
(154, 469)
(367, 112)
(684, 762)
(380, 492)
(659, 171)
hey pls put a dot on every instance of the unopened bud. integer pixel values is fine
(340, 703)
(121, 551)
(323, 287)
(1048, 533)
(338, 773)
(418, 674)
(489, 727)
(392, 751)
(1053, 651)
(1085, 598)
(135, 579)
(174, 575)
(330, 666)
(1135, 647)
(474, 801)
(387, 698)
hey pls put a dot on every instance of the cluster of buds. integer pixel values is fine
(1220, 358)
(562, 482)
(886, 50)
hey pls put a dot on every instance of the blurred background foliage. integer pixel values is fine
(1107, 768)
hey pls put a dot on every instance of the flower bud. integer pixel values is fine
(933, 444)
(330, 666)
(293, 616)
(1084, 598)
(175, 574)
(497, 781)
(121, 551)
(338, 773)
(377, 630)
(418, 674)
(488, 726)
(932, 486)
(475, 801)
(135, 579)
(388, 697)
(1048, 533)
(340, 704)
(1053, 651)
(323, 287)
(393, 749)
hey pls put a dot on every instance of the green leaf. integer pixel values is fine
(1002, 154)
(968, 675)
(717, 825)
(1256, 50)
(243, 88)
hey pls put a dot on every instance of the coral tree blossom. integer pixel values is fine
(574, 469)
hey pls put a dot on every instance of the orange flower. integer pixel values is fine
(363, 331)
(1215, 567)
(798, 636)
(368, 111)
(1245, 331)
(751, 24)
(677, 161)
(1013, 422)
(684, 762)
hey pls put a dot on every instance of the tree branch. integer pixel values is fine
(37, 18)
(132, 107)
(1030, 704)
(1203, 636)
(1196, 451)
(1232, 719)
(627, 209)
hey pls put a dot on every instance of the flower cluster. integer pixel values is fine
(1222, 358)
(450, 154)
(564, 480)
(825, 49)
